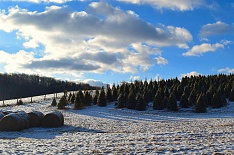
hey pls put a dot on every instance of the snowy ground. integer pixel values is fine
(106, 130)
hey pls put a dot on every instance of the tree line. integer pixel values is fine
(196, 92)
(16, 86)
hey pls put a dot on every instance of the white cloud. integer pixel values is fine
(161, 61)
(199, 50)
(87, 42)
(226, 70)
(134, 78)
(216, 29)
(31, 44)
(93, 82)
(45, 1)
(181, 5)
(193, 73)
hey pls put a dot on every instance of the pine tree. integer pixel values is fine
(72, 100)
(54, 102)
(131, 103)
(165, 101)
(231, 97)
(109, 95)
(87, 99)
(216, 101)
(121, 101)
(81, 95)
(114, 93)
(224, 101)
(95, 97)
(172, 104)
(192, 98)
(20, 102)
(146, 96)
(184, 103)
(78, 104)
(62, 102)
(102, 99)
(141, 105)
(69, 97)
(200, 106)
(158, 101)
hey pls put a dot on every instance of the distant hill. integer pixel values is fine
(14, 86)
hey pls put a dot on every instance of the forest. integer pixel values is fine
(16, 86)
(196, 92)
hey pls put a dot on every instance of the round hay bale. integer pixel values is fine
(2, 115)
(53, 119)
(25, 118)
(11, 122)
(35, 118)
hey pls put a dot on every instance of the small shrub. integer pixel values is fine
(62, 103)
(54, 102)
(20, 102)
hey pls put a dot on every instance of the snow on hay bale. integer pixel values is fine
(53, 119)
(7, 112)
(14, 121)
(35, 118)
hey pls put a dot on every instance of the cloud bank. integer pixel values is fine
(180, 5)
(217, 28)
(97, 40)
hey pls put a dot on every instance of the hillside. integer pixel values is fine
(103, 130)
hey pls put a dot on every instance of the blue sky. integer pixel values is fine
(113, 41)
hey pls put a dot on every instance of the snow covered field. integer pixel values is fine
(106, 130)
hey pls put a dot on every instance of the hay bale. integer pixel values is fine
(53, 119)
(11, 122)
(35, 118)
(25, 118)
(2, 115)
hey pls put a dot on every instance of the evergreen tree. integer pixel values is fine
(95, 97)
(109, 95)
(172, 104)
(166, 92)
(146, 96)
(114, 93)
(192, 98)
(231, 97)
(131, 103)
(20, 102)
(200, 106)
(69, 97)
(54, 102)
(78, 104)
(141, 105)
(87, 99)
(165, 101)
(81, 95)
(216, 100)
(224, 101)
(158, 101)
(121, 101)
(102, 99)
(184, 103)
(62, 102)
(72, 100)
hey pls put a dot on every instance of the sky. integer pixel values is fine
(113, 41)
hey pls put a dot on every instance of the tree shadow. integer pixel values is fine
(44, 133)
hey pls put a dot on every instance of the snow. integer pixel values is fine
(106, 130)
